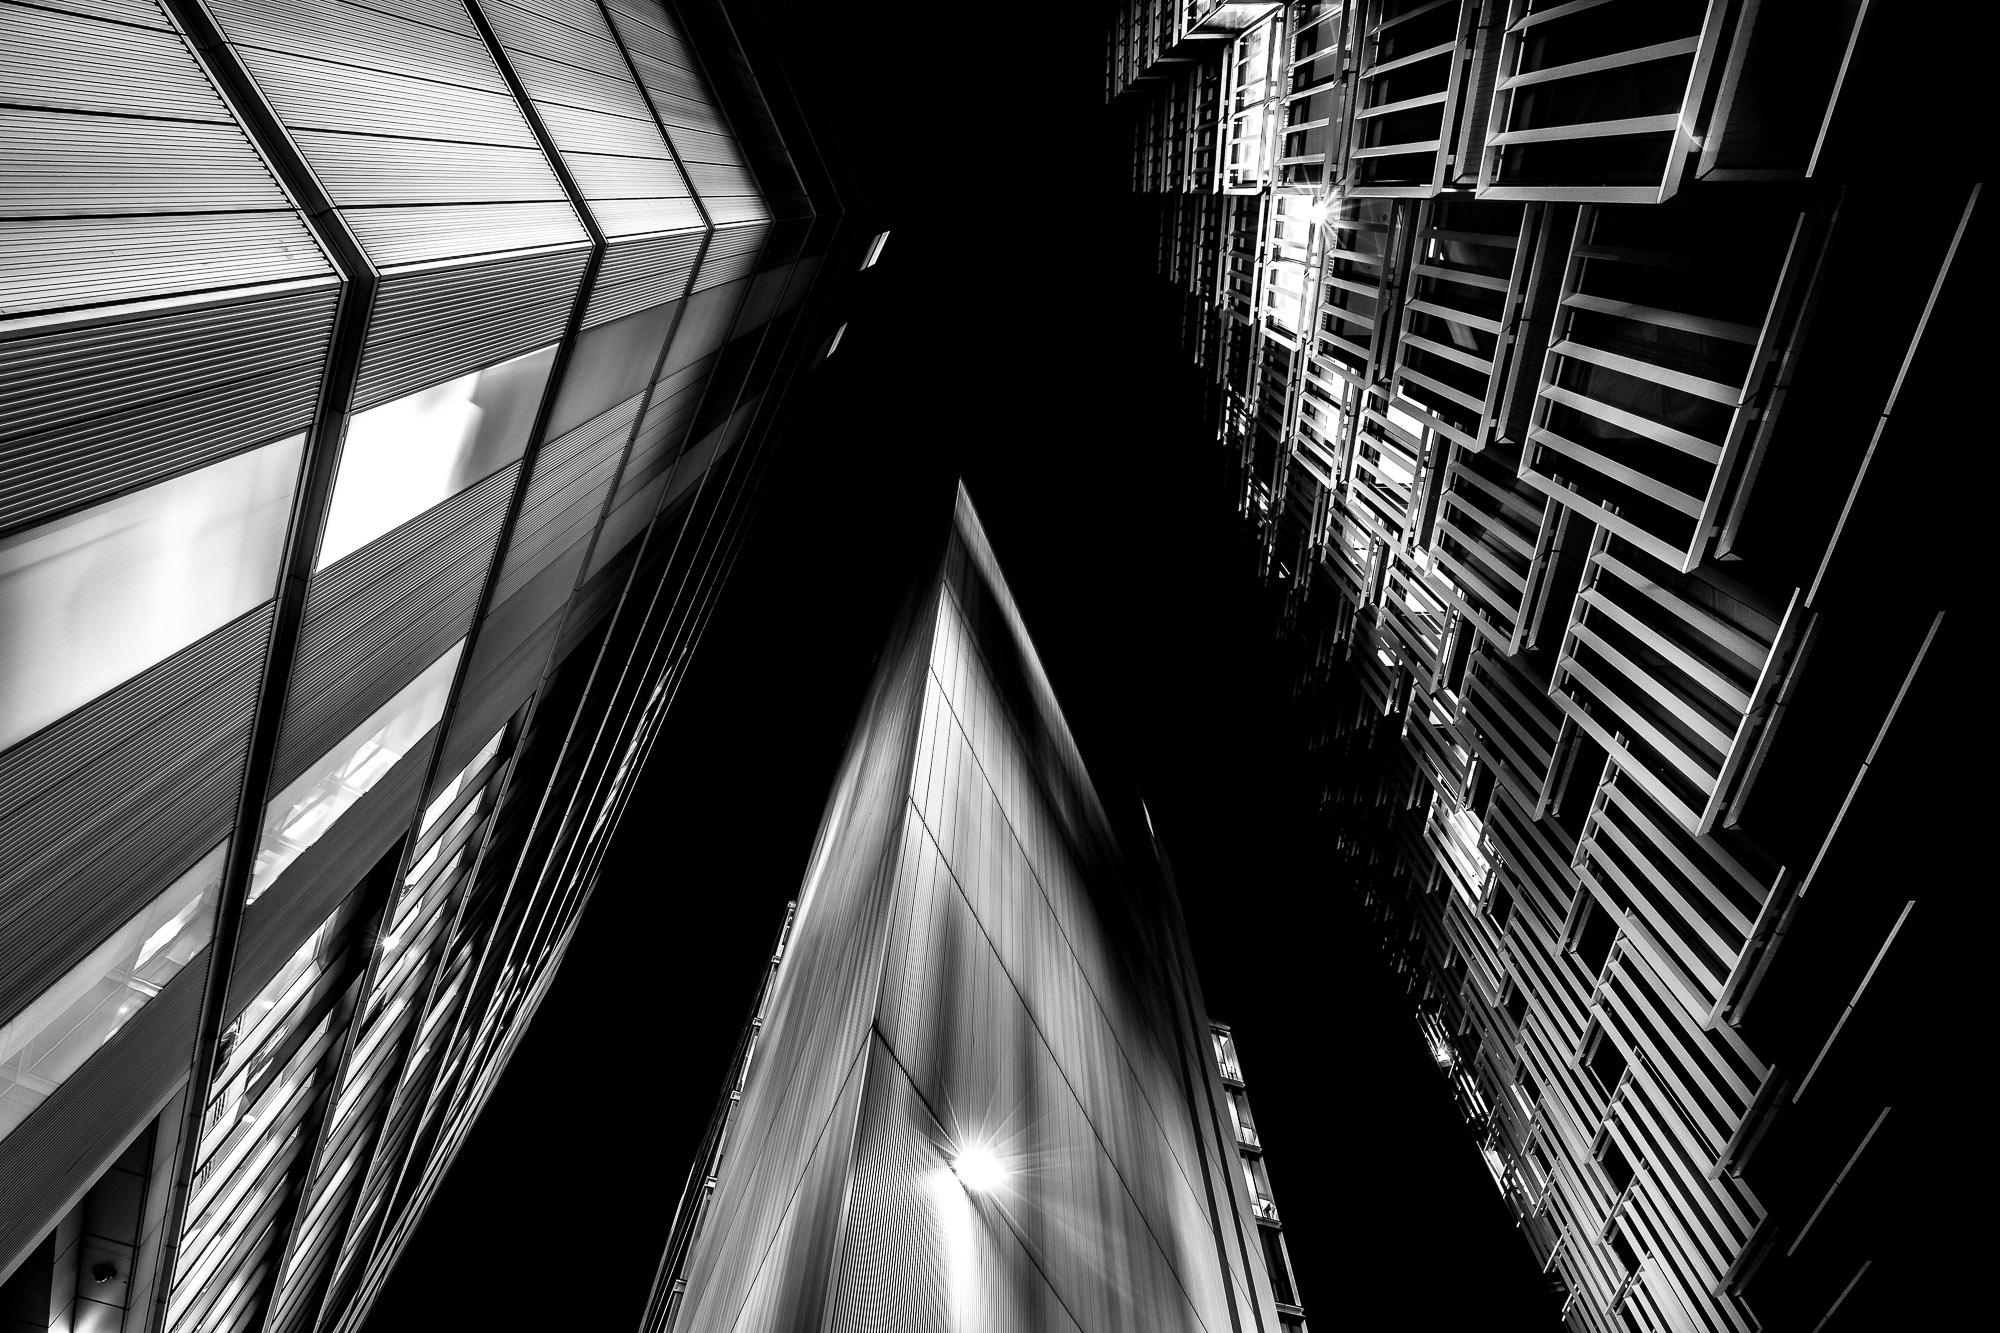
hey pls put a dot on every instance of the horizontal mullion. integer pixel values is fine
(1398, 149)
(1415, 57)
(1491, 282)
(1644, 427)
(1750, 649)
(1684, 46)
(1666, 319)
(1637, 480)
(1456, 355)
(1527, 21)
(1474, 405)
(1697, 671)
(1645, 687)
(1391, 108)
(1713, 390)
(1594, 129)
(1446, 313)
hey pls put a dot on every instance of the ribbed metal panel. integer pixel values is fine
(565, 496)
(99, 811)
(731, 254)
(312, 886)
(631, 217)
(436, 323)
(369, 169)
(58, 164)
(165, 392)
(144, 13)
(323, 95)
(641, 272)
(57, 61)
(61, 263)
(375, 619)
(396, 236)
(608, 176)
(609, 91)
(595, 130)
(57, 1153)
(504, 678)
(573, 35)
(446, 131)
(363, 36)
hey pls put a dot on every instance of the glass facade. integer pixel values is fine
(400, 458)
(301, 814)
(91, 600)
(46, 1042)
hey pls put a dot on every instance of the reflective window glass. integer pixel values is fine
(91, 600)
(300, 815)
(404, 456)
(50, 1039)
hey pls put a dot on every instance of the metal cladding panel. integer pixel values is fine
(642, 272)
(376, 619)
(325, 95)
(442, 45)
(576, 129)
(409, 235)
(51, 264)
(49, 60)
(497, 689)
(732, 254)
(565, 496)
(91, 408)
(101, 810)
(431, 325)
(325, 873)
(141, 13)
(63, 164)
(56, 1154)
(551, 83)
(443, 129)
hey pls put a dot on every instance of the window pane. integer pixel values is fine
(404, 456)
(91, 600)
(50, 1039)
(300, 815)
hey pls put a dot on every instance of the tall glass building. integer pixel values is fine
(979, 1090)
(1597, 459)
(383, 388)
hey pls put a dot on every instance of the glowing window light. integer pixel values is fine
(1442, 1053)
(978, 1170)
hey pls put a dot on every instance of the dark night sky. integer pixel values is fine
(1008, 341)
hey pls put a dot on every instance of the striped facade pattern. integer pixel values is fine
(1521, 326)
(228, 227)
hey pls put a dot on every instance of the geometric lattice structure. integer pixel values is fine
(1566, 472)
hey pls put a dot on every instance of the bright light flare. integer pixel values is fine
(978, 1170)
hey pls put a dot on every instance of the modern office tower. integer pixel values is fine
(382, 391)
(982, 1093)
(1576, 413)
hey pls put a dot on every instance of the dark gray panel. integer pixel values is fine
(705, 327)
(431, 325)
(505, 681)
(53, 1156)
(565, 498)
(641, 272)
(312, 886)
(101, 810)
(731, 254)
(376, 619)
(106, 405)
(610, 364)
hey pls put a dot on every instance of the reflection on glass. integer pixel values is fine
(91, 600)
(404, 456)
(50, 1039)
(300, 815)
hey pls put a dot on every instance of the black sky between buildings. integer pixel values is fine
(1012, 336)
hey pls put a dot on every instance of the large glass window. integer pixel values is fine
(91, 600)
(404, 456)
(300, 815)
(50, 1039)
